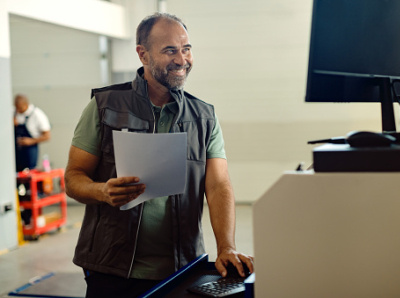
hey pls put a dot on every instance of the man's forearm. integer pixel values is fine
(45, 136)
(221, 201)
(28, 141)
(222, 214)
(79, 184)
(82, 188)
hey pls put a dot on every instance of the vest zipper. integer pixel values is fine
(136, 240)
(152, 110)
(180, 127)
(178, 210)
(141, 210)
(142, 204)
(154, 117)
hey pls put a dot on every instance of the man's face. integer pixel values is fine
(20, 105)
(170, 56)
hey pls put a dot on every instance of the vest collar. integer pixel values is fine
(140, 86)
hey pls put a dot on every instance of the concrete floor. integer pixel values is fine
(53, 252)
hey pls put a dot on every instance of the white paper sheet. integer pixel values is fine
(159, 160)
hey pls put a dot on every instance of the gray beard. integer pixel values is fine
(167, 80)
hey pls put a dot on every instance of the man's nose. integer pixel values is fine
(180, 59)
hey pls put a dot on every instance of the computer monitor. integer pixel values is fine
(355, 53)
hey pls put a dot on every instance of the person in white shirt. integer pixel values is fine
(31, 127)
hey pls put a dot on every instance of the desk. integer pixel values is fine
(198, 271)
(328, 235)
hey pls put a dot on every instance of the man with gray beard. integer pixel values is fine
(124, 253)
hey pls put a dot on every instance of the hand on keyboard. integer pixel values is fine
(223, 287)
(232, 284)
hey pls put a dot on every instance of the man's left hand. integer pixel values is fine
(232, 256)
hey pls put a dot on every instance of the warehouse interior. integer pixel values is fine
(251, 63)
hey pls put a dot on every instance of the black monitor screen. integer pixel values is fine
(353, 44)
(355, 53)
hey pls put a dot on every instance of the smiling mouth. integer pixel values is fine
(178, 72)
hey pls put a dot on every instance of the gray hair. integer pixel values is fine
(145, 26)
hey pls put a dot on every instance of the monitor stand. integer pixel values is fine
(385, 92)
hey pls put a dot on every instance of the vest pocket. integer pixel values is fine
(113, 120)
(199, 135)
(119, 120)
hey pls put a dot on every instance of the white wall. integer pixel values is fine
(94, 16)
(123, 51)
(4, 30)
(8, 221)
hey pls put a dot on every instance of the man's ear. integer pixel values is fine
(143, 54)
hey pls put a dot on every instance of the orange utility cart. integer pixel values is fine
(43, 202)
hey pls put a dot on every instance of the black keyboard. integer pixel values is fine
(223, 287)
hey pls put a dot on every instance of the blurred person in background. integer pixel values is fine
(31, 127)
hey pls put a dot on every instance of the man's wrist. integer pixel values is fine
(226, 249)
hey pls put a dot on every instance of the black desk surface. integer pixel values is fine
(197, 272)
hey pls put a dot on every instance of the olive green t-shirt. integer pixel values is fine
(154, 252)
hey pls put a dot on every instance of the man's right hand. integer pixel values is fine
(120, 191)
(80, 186)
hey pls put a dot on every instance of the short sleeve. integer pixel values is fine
(87, 132)
(42, 121)
(216, 148)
